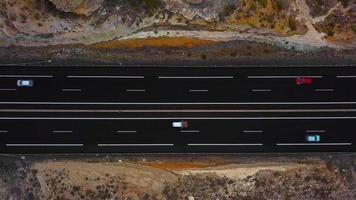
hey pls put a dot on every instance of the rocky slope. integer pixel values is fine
(296, 22)
(181, 177)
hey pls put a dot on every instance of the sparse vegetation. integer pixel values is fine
(269, 14)
(145, 4)
(340, 24)
(229, 9)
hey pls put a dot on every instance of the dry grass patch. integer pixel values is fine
(161, 42)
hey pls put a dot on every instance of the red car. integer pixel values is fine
(304, 81)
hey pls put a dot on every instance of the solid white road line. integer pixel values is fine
(255, 144)
(316, 131)
(281, 77)
(196, 77)
(190, 131)
(26, 76)
(181, 103)
(109, 77)
(314, 144)
(133, 145)
(4, 131)
(253, 131)
(45, 145)
(176, 118)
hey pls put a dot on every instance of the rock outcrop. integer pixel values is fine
(79, 7)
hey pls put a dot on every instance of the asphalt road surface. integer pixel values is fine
(132, 109)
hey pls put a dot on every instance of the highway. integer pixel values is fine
(133, 108)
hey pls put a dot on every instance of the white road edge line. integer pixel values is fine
(314, 144)
(176, 118)
(45, 145)
(175, 111)
(183, 66)
(255, 144)
(132, 145)
(4, 131)
(181, 103)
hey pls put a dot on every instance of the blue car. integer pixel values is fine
(312, 138)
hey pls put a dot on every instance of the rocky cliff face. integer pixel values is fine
(50, 22)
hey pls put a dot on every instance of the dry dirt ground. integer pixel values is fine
(169, 177)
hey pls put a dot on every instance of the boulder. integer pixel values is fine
(194, 2)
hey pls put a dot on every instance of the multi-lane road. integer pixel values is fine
(132, 109)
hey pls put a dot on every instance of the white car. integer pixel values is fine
(312, 138)
(25, 83)
(180, 124)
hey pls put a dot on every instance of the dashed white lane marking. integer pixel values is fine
(316, 131)
(253, 131)
(261, 90)
(126, 131)
(45, 145)
(109, 77)
(62, 131)
(345, 76)
(314, 144)
(71, 90)
(132, 145)
(221, 144)
(198, 90)
(324, 90)
(26, 76)
(196, 77)
(190, 131)
(7, 89)
(281, 77)
(136, 90)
